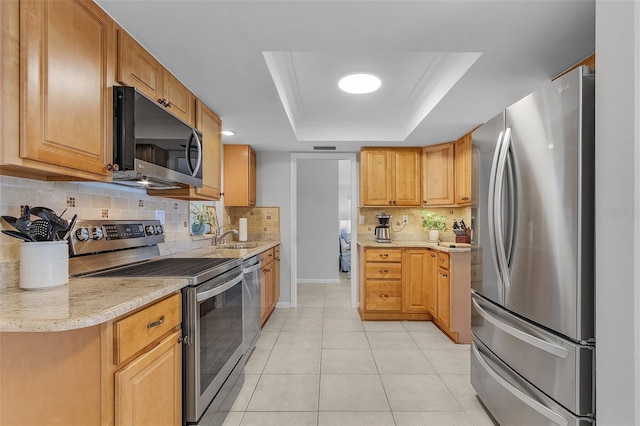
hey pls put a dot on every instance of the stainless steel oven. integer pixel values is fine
(213, 363)
(213, 331)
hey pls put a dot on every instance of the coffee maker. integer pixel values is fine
(382, 230)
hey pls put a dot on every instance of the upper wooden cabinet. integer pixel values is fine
(447, 173)
(463, 170)
(438, 175)
(60, 55)
(239, 176)
(138, 68)
(390, 176)
(210, 125)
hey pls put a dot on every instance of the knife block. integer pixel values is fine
(463, 235)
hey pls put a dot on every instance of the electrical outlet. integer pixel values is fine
(405, 218)
(361, 219)
(160, 216)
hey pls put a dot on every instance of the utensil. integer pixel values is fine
(18, 235)
(42, 230)
(10, 220)
(72, 223)
(49, 215)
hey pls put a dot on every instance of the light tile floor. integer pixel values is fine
(319, 364)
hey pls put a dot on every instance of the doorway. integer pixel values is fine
(312, 161)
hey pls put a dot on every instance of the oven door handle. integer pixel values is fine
(208, 294)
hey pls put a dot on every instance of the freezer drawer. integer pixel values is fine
(560, 368)
(511, 399)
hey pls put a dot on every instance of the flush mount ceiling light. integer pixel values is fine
(228, 132)
(359, 83)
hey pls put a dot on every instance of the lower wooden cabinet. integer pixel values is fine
(149, 389)
(269, 281)
(97, 375)
(417, 284)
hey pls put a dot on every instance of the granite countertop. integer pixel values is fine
(86, 302)
(442, 246)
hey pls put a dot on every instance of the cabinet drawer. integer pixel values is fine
(137, 331)
(383, 255)
(266, 257)
(443, 260)
(383, 296)
(383, 270)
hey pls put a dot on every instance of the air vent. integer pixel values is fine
(324, 148)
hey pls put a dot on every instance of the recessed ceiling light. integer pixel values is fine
(228, 132)
(359, 83)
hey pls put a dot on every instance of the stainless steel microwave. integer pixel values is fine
(151, 147)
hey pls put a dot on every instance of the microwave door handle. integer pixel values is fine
(187, 153)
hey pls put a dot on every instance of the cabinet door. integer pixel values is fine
(415, 280)
(210, 125)
(463, 170)
(149, 389)
(432, 283)
(375, 177)
(179, 100)
(252, 178)
(138, 68)
(266, 292)
(438, 175)
(444, 299)
(239, 176)
(406, 177)
(66, 50)
(276, 275)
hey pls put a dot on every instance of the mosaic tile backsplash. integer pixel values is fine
(263, 223)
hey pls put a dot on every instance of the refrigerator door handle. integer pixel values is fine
(491, 214)
(556, 350)
(546, 412)
(498, 216)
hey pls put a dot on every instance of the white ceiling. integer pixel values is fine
(270, 68)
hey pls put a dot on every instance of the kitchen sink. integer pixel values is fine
(237, 246)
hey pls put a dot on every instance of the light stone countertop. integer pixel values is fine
(443, 246)
(86, 302)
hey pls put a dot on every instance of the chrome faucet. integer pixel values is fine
(220, 237)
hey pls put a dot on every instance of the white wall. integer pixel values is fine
(344, 190)
(273, 181)
(617, 212)
(317, 220)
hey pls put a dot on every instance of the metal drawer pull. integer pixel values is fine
(385, 255)
(156, 323)
(384, 271)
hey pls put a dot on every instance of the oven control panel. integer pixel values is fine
(97, 236)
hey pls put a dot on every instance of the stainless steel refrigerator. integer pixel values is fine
(533, 318)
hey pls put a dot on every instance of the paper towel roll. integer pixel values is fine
(243, 229)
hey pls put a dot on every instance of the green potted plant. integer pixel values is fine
(434, 224)
(200, 219)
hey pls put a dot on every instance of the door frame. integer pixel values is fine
(353, 158)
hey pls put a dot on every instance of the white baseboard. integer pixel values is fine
(318, 281)
(283, 305)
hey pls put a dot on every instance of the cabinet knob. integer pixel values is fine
(113, 167)
(444, 275)
(384, 271)
(384, 296)
(390, 202)
(384, 255)
(433, 255)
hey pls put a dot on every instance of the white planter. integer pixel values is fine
(434, 235)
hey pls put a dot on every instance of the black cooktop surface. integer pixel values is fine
(169, 268)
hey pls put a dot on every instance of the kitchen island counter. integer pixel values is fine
(86, 302)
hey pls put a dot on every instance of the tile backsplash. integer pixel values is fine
(89, 201)
(413, 230)
(263, 223)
